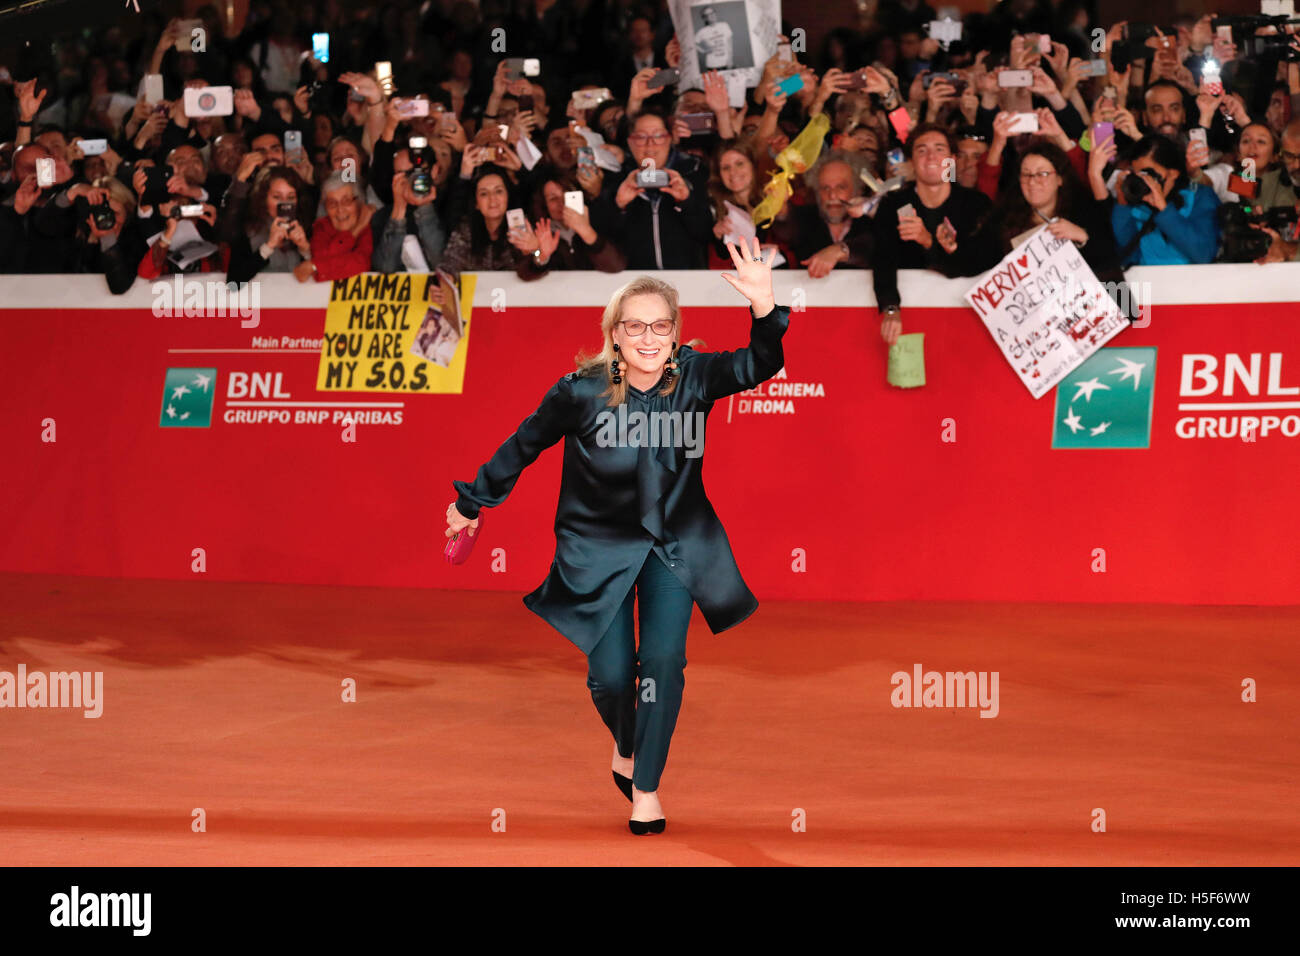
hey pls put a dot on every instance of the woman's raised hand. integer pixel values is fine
(753, 276)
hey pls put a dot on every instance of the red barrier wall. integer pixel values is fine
(858, 478)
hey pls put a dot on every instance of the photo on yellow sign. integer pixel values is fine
(399, 332)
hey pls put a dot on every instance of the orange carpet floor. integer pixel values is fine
(228, 698)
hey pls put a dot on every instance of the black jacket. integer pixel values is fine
(621, 499)
(964, 208)
(656, 231)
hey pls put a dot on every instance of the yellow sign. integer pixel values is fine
(396, 332)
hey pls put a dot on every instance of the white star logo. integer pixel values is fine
(171, 412)
(202, 382)
(1096, 431)
(1129, 370)
(1088, 387)
(1073, 422)
(179, 391)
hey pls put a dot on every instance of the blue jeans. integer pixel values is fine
(642, 719)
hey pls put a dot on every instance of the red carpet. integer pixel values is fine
(227, 697)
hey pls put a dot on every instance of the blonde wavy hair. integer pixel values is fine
(600, 363)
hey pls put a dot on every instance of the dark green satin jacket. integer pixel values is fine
(621, 499)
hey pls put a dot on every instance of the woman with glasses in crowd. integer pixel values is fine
(633, 521)
(1257, 170)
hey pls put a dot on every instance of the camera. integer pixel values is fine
(1135, 189)
(1242, 242)
(104, 217)
(420, 175)
(652, 178)
(286, 210)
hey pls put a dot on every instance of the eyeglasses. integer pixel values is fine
(1041, 176)
(1289, 156)
(340, 203)
(633, 327)
(642, 138)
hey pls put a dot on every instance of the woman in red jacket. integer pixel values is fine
(341, 242)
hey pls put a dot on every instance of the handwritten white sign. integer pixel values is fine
(1045, 309)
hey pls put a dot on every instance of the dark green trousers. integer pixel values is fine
(642, 718)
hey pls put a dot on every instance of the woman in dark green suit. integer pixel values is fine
(633, 521)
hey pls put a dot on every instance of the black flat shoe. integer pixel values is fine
(642, 827)
(624, 783)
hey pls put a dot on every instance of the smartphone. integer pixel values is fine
(384, 75)
(447, 122)
(412, 106)
(517, 66)
(153, 88)
(516, 220)
(1211, 83)
(662, 78)
(573, 200)
(791, 84)
(856, 81)
(45, 172)
(192, 210)
(526, 103)
(901, 120)
(1096, 67)
(1014, 79)
(1023, 123)
(286, 210)
(292, 141)
(93, 147)
(586, 159)
(906, 210)
(209, 101)
(1197, 135)
(1102, 132)
(1111, 94)
(784, 53)
(1045, 44)
(320, 47)
(588, 99)
(185, 35)
(1224, 33)
(699, 122)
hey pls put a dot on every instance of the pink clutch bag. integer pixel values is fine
(460, 544)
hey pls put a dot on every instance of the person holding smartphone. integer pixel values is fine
(273, 237)
(927, 224)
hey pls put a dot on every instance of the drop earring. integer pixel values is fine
(671, 368)
(616, 367)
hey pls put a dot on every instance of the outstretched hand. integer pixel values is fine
(753, 276)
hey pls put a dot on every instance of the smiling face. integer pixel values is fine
(929, 154)
(269, 145)
(1039, 182)
(648, 352)
(1164, 111)
(342, 208)
(737, 172)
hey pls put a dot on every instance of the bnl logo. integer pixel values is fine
(1106, 402)
(187, 398)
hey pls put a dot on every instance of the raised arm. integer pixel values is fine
(725, 373)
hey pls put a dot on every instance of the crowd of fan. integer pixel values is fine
(365, 185)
